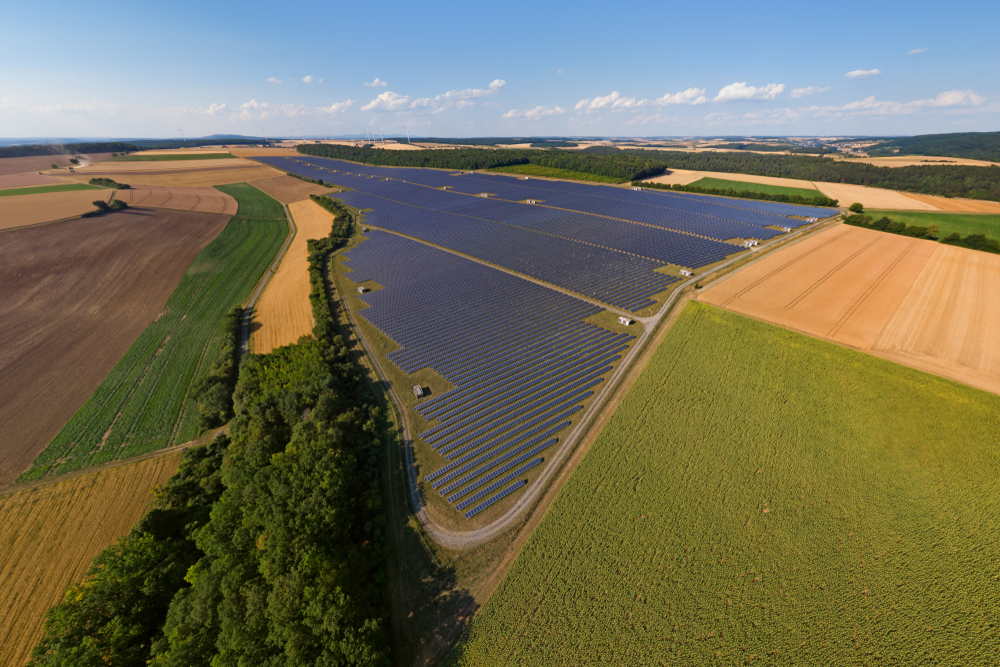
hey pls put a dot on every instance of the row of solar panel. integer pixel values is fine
(520, 356)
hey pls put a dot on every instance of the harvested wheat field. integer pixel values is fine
(288, 189)
(26, 180)
(75, 296)
(957, 205)
(207, 200)
(685, 177)
(50, 533)
(163, 165)
(283, 313)
(872, 197)
(18, 165)
(913, 160)
(260, 152)
(913, 301)
(192, 177)
(949, 320)
(24, 210)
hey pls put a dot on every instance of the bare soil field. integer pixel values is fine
(926, 305)
(207, 200)
(288, 189)
(283, 313)
(26, 179)
(23, 210)
(18, 165)
(957, 205)
(261, 152)
(949, 320)
(75, 296)
(162, 166)
(49, 534)
(873, 197)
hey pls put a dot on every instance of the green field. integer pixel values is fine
(762, 496)
(43, 189)
(553, 172)
(962, 223)
(143, 405)
(171, 157)
(739, 186)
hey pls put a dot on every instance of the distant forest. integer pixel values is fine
(66, 149)
(972, 145)
(619, 166)
(630, 165)
(945, 180)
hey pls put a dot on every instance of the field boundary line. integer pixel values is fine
(829, 274)
(868, 292)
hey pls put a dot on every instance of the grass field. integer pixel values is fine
(45, 189)
(762, 496)
(766, 189)
(962, 223)
(49, 534)
(142, 405)
(553, 172)
(171, 157)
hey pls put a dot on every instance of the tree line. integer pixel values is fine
(945, 180)
(818, 200)
(109, 183)
(972, 145)
(887, 224)
(66, 149)
(620, 166)
(268, 546)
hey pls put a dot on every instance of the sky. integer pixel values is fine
(468, 69)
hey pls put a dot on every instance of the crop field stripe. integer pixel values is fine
(44, 189)
(826, 276)
(723, 184)
(871, 288)
(142, 406)
(986, 224)
(173, 157)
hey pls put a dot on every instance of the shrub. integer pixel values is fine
(856, 207)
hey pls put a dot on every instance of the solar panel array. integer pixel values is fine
(520, 357)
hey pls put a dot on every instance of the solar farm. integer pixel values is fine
(495, 284)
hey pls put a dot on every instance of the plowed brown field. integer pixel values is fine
(208, 200)
(17, 165)
(283, 312)
(27, 180)
(287, 189)
(75, 296)
(917, 302)
(49, 534)
(23, 210)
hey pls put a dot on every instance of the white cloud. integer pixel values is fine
(692, 96)
(91, 107)
(615, 102)
(215, 108)
(339, 107)
(272, 79)
(307, 79)
(377, 83)
(916, 51)
(740, 91)
(534, 114)
(952, 98)
(808, 90)
(390, 101)
(862, 73)
(559, 71)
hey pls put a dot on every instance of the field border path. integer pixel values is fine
(248, 308)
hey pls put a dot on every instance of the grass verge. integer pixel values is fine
(44, 189)
(553, 172)
(723, 184)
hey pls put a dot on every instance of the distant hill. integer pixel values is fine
(972, 145)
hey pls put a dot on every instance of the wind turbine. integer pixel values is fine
(407, 133)
(382, 135)
(183, 138)
(303, 134)
(264, 132)
(291, 133)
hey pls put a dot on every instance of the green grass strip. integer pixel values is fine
(553, 172)
(45, 189)
(965, 224)
(739, 186)
(141, 406)
(171, 157)
(762, 493)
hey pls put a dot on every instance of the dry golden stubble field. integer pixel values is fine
(207, 200)
(18, 165)
(50, 533)
(27, 179)
(917, 302)
(193, 177)
(24, 210)
(288, 189)
(284, 313)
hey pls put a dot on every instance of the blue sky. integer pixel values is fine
(499, 69)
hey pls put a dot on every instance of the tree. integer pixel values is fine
(856, 207)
